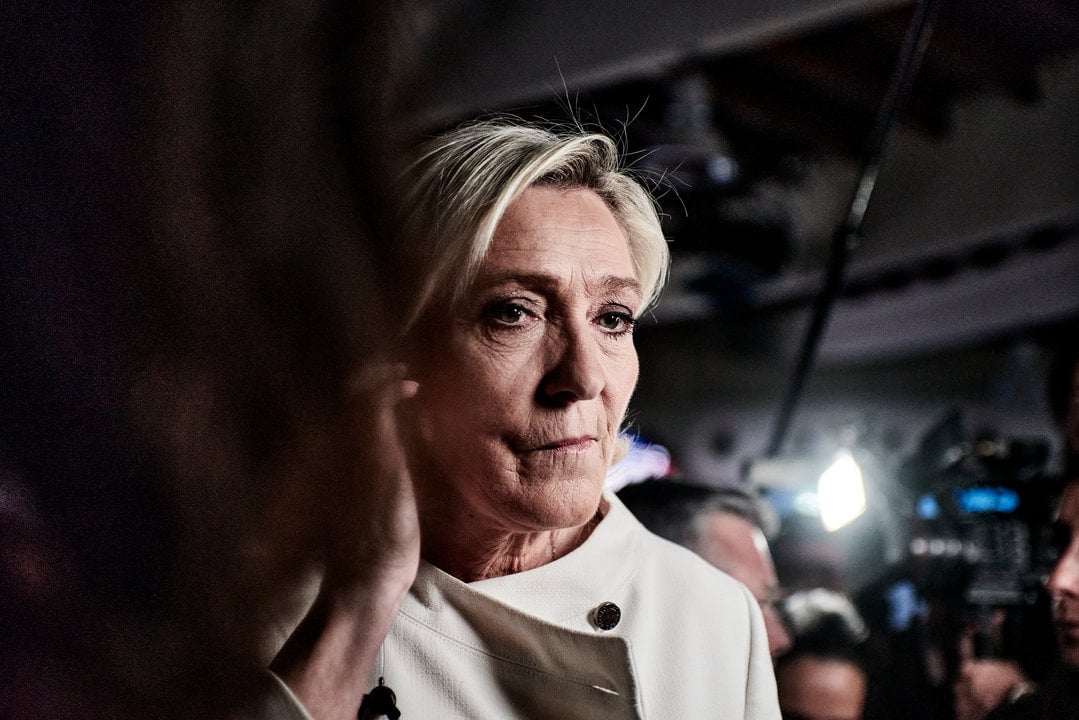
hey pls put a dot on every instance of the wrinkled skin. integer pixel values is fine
(523, 389)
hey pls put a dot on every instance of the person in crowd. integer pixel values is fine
(1060, 698)
(993, 689)
(723, 526)
(538, 594)
(822, 676)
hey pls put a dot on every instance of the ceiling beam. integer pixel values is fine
(482, 56)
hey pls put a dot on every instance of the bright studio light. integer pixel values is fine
(841, 492)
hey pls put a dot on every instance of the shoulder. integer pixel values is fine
(692, 627)
(678, 570)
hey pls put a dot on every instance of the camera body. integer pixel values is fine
(979, 540)
(980, 529)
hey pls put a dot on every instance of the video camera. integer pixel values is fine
(982, 516)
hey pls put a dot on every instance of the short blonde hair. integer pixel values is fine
(462, 182)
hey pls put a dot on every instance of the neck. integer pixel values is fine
(472, 556)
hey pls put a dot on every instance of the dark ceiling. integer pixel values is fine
(821, 91)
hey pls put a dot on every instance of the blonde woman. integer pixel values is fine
(538, 595)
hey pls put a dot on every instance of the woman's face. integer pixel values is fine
(522, 391)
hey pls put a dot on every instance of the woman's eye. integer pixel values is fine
(509, 314)
(616, 322)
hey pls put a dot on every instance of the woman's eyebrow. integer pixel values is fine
(529, 280)
(615, 283)
(607, 283)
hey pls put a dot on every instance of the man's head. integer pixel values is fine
(818, 687)
(724, 528)
(1063, 583)
(822, 676)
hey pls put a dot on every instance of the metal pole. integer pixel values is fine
(848, 235)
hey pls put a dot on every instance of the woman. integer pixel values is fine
(538, 595)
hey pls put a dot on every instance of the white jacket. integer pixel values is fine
(689, 642)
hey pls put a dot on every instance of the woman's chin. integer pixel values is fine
(561, 503)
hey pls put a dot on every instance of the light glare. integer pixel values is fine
(841, 492)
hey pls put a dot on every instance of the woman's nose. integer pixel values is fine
(577, 372)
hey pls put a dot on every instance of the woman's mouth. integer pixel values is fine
(567, 445)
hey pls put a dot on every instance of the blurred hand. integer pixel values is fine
(373, 548)
(982, 685)
(374, 531)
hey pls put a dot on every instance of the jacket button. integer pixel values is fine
(606, 616)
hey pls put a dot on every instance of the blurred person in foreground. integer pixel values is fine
(723, 526)
(991, 689)
(193, 302)
(822, 676)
